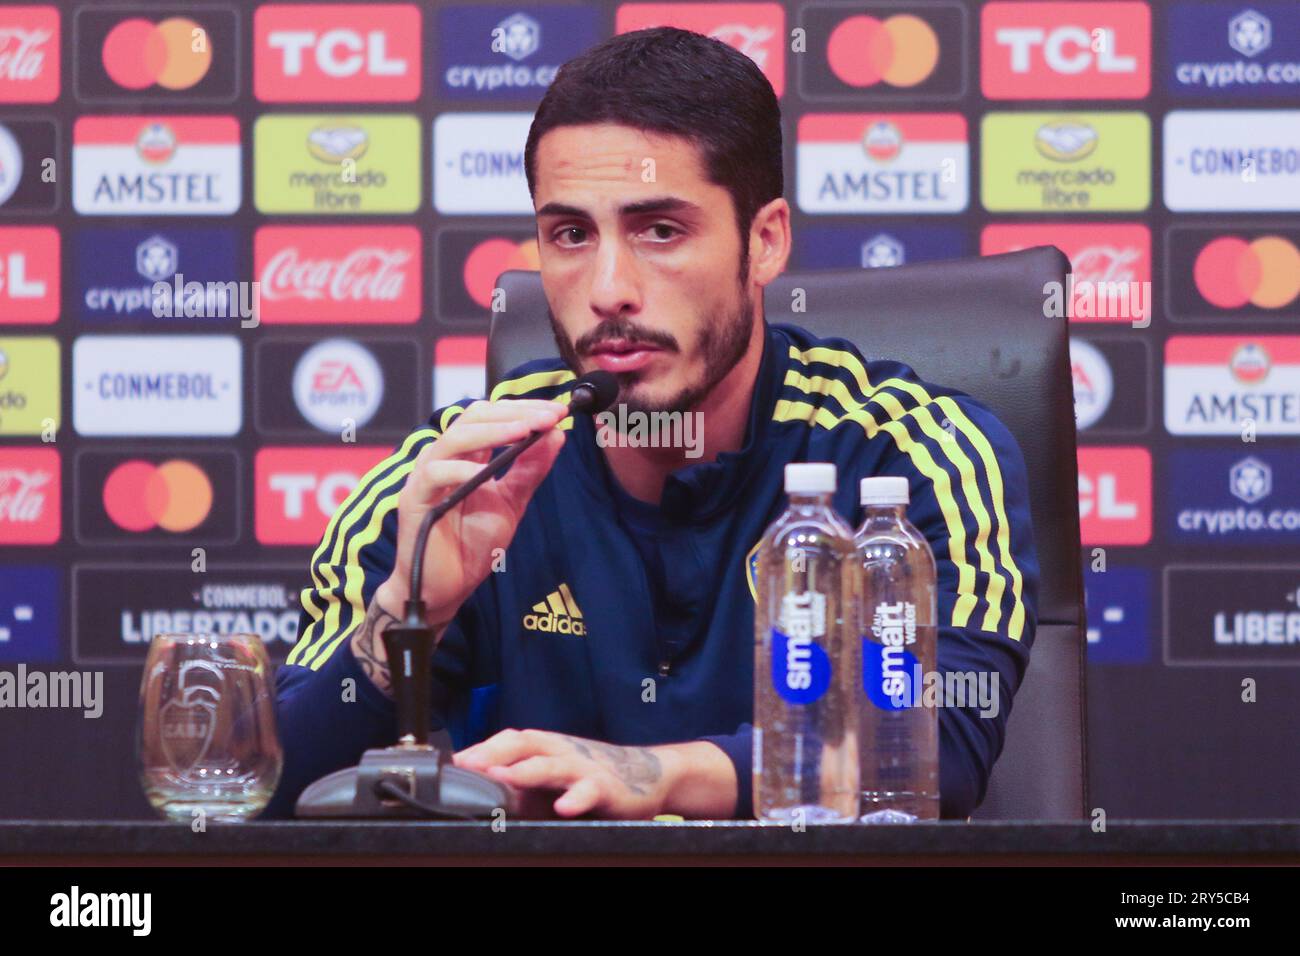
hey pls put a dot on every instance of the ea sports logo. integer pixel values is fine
(173, 54)
(899, 51)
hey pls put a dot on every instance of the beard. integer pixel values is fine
(722, 344)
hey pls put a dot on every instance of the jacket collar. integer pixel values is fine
(699, 492)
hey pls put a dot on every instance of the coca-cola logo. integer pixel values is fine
(338, 274)
(22, 498)
(22, 53)
(1105, 264)
(29, 496)
(369, 274)
(29, 54)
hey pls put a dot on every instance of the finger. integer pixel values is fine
(463, 439)
(540, 410)
(583, 797)
(528, 470)
(506, 747)
(541, 771)
(437, 476)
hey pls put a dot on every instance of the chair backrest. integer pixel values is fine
(978, 325)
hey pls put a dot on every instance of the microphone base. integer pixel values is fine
(421, 771)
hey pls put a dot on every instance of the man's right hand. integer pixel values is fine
(463, 545)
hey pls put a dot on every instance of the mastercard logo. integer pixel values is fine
(487, 260)
(899, 51)
(173, 53)
(140, 496)
(1265, 272)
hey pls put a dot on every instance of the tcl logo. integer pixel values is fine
(299, 489)
(29, 274)
(1115, 495)
(29, 496)
(350, 53)
(1035, 51)
(338, 273)
(29, 54)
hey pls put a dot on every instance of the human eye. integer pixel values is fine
(567, 230)
(664, 231)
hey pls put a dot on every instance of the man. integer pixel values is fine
(595, 604)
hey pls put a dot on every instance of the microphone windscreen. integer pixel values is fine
(594, 392)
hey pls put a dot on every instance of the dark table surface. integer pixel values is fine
(1127, 841)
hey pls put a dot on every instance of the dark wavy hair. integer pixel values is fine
(677, 82)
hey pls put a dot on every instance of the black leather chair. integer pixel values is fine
(977, 325)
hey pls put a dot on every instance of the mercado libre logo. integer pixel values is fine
(1066, 162)
(883, 50)
(356, 164)
(156, 53)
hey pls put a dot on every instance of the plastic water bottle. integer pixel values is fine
(898, 733)
(806, 659)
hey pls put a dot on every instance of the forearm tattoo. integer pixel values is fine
(637, 767)
(367, 650)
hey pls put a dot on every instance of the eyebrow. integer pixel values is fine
(640, 207)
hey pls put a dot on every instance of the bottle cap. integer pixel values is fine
(883, 491)
(809, 479)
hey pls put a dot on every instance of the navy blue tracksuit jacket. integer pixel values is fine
(565, 636)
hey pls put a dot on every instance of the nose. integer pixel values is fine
(615, 286)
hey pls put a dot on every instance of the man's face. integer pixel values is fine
(640, 261)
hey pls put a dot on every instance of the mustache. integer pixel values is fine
(627, 331)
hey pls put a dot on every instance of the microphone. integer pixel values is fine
(414, 778)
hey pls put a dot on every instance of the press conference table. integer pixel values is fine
(1129, 842)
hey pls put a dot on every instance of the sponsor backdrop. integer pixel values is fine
(362, 162)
